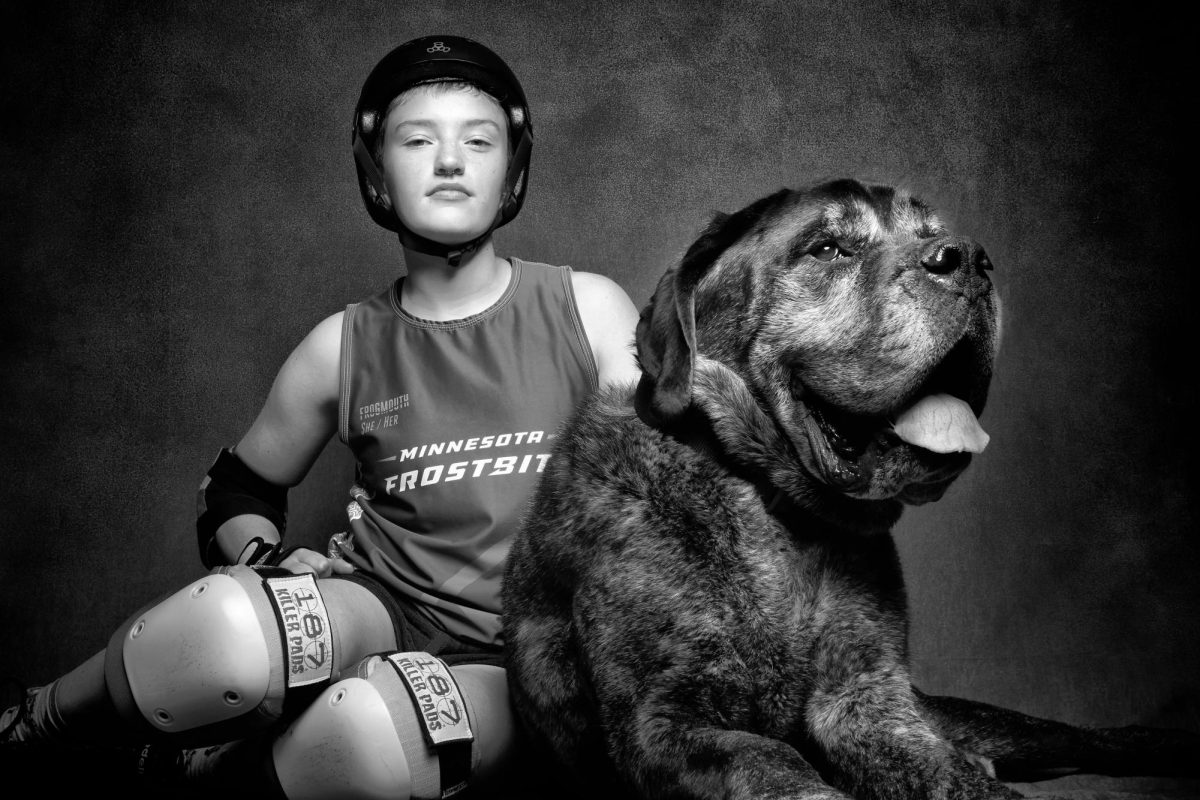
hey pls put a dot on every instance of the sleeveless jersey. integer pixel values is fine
(451, 424)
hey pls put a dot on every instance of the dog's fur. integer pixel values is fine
(706, 600)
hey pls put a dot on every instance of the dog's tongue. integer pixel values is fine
(941, 423)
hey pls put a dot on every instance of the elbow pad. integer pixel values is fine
(230, 489)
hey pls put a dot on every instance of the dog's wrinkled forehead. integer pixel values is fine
(856, 215)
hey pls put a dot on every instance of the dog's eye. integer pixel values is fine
(828, 251)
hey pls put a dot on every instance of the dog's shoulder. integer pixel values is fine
(606, 441)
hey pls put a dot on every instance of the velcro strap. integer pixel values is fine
(454, 764)
(443, 714)
(259, 553)
(304, 624)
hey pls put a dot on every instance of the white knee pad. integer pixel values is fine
(218, 652)
(343, 745)
(381, 736)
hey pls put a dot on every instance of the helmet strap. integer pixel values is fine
(370, 168)
(453, 253)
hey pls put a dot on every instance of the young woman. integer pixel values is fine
(374, 669)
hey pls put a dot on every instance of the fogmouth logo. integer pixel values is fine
(437, 47)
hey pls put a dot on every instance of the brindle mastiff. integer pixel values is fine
(706, 600)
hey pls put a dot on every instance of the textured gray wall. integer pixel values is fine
(179, 208)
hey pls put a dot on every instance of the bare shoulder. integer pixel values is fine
(322, 346)
(609, 319)
(316, 362)
(595, 288)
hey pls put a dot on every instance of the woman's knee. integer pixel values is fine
(409, 726)
(219, 657)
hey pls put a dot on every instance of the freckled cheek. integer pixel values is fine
(399, 173)
(494, 182)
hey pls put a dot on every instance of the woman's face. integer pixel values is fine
(444, 158)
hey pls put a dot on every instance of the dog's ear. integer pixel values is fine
(666, 345)
(666, 329)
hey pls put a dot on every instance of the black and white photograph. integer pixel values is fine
(650, 400)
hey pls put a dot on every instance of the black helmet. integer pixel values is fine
(432, 59)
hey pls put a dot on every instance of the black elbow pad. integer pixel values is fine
(230, 489)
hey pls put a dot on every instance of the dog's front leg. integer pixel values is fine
(865, 721)
(1024, 747)
(667, 758)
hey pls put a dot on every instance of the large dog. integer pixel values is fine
(706, 600)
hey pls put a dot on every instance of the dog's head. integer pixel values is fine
(851, 318)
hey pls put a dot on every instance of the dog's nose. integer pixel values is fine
(947, 257)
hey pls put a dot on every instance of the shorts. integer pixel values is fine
(416, 632)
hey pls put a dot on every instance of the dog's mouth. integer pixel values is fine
(851, 452)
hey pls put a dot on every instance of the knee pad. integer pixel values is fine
(217, 658)
(409, 727)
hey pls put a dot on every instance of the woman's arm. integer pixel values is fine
(295, 423)
(609, 319)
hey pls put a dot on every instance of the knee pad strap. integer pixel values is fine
(426, 698)
(305, 627)
(442, 714)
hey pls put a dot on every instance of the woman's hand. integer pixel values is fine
(303, 560)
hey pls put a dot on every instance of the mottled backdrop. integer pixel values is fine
(180, 208)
